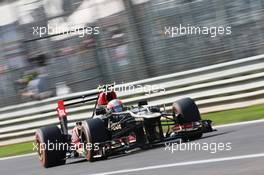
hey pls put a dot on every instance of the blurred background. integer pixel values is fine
(131, 44)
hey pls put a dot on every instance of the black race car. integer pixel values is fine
(108, 133)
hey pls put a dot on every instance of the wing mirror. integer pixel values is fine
(142, 103)
(100, 111)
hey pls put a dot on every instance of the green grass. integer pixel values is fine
(16, 149)
(236, 115)
(223, 117)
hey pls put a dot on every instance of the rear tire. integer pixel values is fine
(188, 112)
(94, 132)
(51, 152)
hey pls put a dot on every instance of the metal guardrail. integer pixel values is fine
(218, 87)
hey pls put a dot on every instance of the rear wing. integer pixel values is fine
(61, 110)
(72, 101)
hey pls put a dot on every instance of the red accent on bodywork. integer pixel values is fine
(102, 98)
(75, 140)
(61, 111)
(113, 94)
(183, 126)
(188, 125)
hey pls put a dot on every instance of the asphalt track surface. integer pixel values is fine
(246, 157)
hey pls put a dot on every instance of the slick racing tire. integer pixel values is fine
(187, 112)
(93, 133)
(51, 146)
(187, 109)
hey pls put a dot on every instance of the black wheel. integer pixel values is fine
(187, 111)
(51, 146)
(93, 133)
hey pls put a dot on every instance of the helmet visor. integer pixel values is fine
(118, 108)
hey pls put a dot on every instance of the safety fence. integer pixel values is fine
(217, 87)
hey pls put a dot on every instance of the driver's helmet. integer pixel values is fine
(115, 105)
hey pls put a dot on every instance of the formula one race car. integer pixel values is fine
(108, 132)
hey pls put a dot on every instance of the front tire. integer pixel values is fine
(187, 109)
(187, 112)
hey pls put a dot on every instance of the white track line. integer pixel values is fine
(240, 123)
(249, 156)
(13, 157)
(219, 126)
